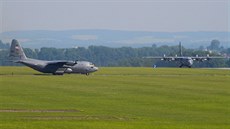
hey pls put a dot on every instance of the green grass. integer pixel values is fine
(115, 98)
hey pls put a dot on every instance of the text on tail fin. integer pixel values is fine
(16, 51)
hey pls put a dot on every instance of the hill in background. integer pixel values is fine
(113, 38)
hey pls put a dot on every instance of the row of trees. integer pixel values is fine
(124, 56)
(4, 45)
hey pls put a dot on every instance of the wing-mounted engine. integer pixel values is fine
(164, 58)
(200, 59)
(208, 57)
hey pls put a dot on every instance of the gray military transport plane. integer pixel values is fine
(186, 61)
(58, 67)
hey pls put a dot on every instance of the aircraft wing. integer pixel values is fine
(62, 63)
(204, 58)
(153, 57)
(166, 58)
(178, 58)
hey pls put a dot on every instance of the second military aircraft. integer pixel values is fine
(186, 61)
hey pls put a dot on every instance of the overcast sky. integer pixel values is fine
(140, 15)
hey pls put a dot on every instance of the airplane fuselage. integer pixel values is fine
(186, 61)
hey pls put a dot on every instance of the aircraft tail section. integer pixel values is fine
(16, 51)
(180, 48)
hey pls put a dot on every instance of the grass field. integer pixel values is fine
(115, 98)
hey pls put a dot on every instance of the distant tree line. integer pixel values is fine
(4, 45)
(124, 56)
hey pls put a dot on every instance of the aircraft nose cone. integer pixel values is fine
(96, 68)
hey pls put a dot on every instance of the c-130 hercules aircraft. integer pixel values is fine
(58, 67)
(186, 61)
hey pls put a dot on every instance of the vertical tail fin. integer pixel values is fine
(16, 51)
(180, 48)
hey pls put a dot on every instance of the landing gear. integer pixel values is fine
(57, 73)
(87, 74)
